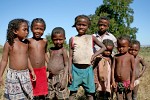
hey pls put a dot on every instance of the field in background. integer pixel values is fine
(144, 89)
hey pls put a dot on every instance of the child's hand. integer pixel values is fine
(33, 76)
(114, 85)
(131, 86)
(96, 86)
(92, 59)
(63, 84)
(70, 78)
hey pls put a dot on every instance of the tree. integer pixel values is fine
(120, 15)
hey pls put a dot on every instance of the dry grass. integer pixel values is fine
(144, 89)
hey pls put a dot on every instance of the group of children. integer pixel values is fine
(35, 74)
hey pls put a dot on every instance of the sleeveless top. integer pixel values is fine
(82, 49)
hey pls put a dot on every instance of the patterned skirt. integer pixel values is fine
(18, 85)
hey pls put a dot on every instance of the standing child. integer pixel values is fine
(134, 50)
(80, 57)
(17, 85)
(58, 67)
(123, 69)
(102, 72)
(38, 57)
(102, 34)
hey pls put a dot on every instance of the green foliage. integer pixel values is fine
(120, 15)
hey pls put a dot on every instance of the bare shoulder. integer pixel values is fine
(45, 40)
(29, 39)
(64, 49)
(6, 45)
(129, 56)
(140, 58)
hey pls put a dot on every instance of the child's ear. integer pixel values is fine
(14, 31)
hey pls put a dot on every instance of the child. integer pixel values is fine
(102, 34)
(38, 57)
(102, 73)
(134, 50)
(18, 85)
(80, 58)
(58, 66)
(123, 70)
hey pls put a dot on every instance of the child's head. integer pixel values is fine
(123, 44)
(134, 47)
(58, 37)
(109, 47)
(82, 23)
(17, 28)
(38, 27)
(103, 24)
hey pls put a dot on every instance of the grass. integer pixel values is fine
(144, 88)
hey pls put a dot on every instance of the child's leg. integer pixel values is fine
(90, 96)
(72, 95)
(134, 92)
(119, 95)
(129, 96)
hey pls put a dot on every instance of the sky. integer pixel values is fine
(61, 13)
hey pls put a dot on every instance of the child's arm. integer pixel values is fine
(46, 55)
(133, 72)
(31, 70)
(70, 60)
(100, 44)
(143, 67)
(4, 60)
(64, 80)
(112, 74)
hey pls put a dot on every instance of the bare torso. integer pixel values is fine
(37, 51)
(56, 61)
(18, 56)
(123, 67)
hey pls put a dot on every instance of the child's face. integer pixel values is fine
(103, 25)
(58, 40)
(108, 51)
(123, 46)
(134, 49)
(38, 30)
(23, 31)
(82, 26)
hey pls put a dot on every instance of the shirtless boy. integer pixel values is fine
(58, 66)
(134, 50)
(123, 70)
(38, 57)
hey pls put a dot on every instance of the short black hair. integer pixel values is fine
(103, 18)
(58, 30)
(124, 37)
(38, 20)
(108, 42)
(82, 16)
(135, 42)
